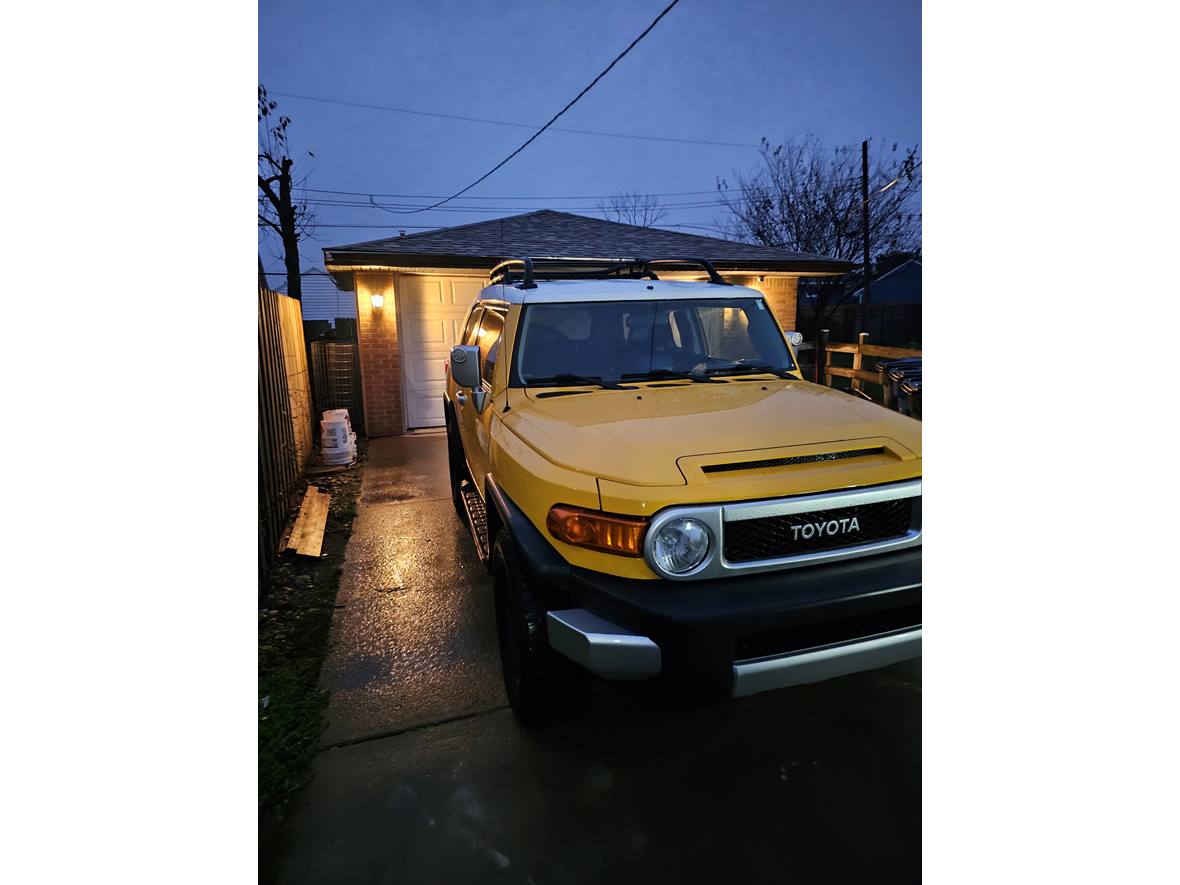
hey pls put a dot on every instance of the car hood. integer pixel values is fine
(639, 436)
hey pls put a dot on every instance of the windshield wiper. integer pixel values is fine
(756, 368)
(668, 373)
(567, 378)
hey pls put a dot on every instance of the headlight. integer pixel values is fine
(680, 545)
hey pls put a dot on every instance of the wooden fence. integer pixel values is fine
(284, 416)
(860, 372)
(298, 377)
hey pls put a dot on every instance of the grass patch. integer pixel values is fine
(294, 620)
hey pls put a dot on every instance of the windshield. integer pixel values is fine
(633, 340)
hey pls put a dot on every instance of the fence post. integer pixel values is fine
(821, 358)
(886, 389)
(857, 358)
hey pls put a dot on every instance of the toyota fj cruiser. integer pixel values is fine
(658, 494)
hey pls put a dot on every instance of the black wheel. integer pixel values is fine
(541, 684)
(456, 463)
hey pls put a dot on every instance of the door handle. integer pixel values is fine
(462, 398)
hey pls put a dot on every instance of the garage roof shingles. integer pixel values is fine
(549, 233)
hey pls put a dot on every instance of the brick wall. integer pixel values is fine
(380, 360)
(780, 293)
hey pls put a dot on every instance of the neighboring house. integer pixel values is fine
(427, 281)
(902, 285)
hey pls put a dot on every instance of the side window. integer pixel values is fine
(489, 365)
(490, 329)
(472, 325)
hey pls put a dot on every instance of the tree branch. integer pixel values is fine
(264, 186)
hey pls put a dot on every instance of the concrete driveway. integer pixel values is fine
(425, 776)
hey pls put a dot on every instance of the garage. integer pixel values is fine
(431, 311)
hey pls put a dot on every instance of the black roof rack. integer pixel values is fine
(524, 272)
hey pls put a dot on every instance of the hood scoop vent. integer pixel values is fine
(552, 393)
(794, 459)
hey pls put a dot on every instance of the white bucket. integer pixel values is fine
(335, 434)
(339, 456)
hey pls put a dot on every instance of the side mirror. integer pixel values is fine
(465, 365)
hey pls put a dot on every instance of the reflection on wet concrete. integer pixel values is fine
(414, 640)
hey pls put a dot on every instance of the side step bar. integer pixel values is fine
(477, 519)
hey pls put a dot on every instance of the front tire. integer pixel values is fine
(541, 684)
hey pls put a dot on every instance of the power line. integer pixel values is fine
(515, 125)
(554, 118)
(512, 123)
(389, 226)
(372, 194)
(330, 204)
(371, 203)
(319, 190)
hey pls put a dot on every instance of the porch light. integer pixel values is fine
(377, 300)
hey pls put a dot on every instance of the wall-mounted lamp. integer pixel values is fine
(377, 300)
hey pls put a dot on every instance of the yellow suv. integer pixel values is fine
(659, 495)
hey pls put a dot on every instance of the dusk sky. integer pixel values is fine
(712, 71)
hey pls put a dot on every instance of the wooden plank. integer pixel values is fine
(872, 350)
(313, 529)
(893, 353)
(855, 374)
(838, 371)
(301, 520)
(868, 377)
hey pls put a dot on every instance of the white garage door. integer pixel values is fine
(431, 311)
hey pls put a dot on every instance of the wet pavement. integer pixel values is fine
(413, 640)
(424, 775)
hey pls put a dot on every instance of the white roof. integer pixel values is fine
(562, 291)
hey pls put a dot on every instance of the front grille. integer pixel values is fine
(781, 642)
(794, 459)
(773, 537)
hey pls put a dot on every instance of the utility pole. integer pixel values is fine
(864, 196)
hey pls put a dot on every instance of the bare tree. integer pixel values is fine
(807, 197)
(631, 207)
(278, 208)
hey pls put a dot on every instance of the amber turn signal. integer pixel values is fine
(620, 535)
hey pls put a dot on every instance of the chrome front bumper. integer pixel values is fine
(827, 662)
(614, 652)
